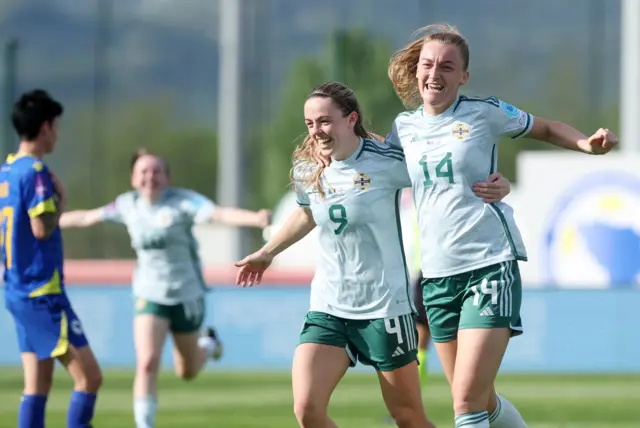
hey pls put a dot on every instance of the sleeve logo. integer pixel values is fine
(511, 111)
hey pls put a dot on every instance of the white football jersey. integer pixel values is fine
(168, 270)
(361, 271)
(445, 156)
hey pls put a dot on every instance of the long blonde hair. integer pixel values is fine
(302, 157)
(404, 63)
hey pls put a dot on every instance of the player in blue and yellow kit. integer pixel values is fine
(46, 325)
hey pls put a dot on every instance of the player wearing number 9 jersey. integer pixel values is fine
(360, 309)
(45, 322)
(469, 249)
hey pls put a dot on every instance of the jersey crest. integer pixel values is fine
(461, 131)
(361, 181)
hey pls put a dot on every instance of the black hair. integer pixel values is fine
(32, 110)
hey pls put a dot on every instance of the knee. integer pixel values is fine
(309, 413)
(466, 400)
(185, 372)
(148, 365)
(89, 381)
(409, 416)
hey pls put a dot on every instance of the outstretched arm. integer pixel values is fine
(252, 267)
(241, 217)
(565, 136)
(80, 218)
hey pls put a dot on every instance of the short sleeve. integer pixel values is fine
(393, 139)
(38, 191)
(399, 175)
(299, 173)
(197, 206)
(509, 120)
(116, 211)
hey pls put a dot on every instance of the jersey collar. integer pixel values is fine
(444, 115)
(353, 156)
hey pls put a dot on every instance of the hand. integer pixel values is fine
(263, 218)
(601, 142)
(60, 190)
(252, 268)
(494, 189)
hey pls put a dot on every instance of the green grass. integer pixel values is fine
(235, 400)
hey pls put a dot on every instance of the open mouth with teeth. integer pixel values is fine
(434, 87)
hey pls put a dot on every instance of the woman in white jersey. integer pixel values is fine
(469, 249)
(361, 308)
(168, 283)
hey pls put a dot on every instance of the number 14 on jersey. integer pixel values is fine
(444, 169)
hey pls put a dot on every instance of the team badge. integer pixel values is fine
(460, 131)
(164, 217)
(361, 181)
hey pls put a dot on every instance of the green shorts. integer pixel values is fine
(185, 317)
(384, 343)
(489, 297)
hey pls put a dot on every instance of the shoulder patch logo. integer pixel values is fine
(460, 131)
(37, 165)
(511, 111)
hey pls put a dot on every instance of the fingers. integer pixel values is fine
(248, 277)
(489, 191)
(494, 177)
(603, 140)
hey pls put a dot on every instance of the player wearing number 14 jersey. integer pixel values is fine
(470, 249)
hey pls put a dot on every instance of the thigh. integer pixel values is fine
(493, 297)
(478, 359)
(402, 393)
(324, 329)
(386, 343)
(187, 317)
(149, 334)
(443, 303)
(185, 349)
(317, 369)
(83, 367)
(38, 374)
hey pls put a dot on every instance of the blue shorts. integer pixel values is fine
(46, 325)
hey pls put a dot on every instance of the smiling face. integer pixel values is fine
(440, 73)
(149, 176)
(328, 125)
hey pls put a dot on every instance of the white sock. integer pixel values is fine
(144, 411)
(207, 343)
(473, 420)
(506, 415)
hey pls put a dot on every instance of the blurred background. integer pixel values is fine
(217, 88)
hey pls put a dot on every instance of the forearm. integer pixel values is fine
(79, 219)
(235, 217)
(299, 224)
(561, 135)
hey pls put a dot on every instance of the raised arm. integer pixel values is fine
(252, 267)
(81, 218)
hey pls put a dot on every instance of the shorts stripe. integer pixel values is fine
(506, 295)
(409, 332)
